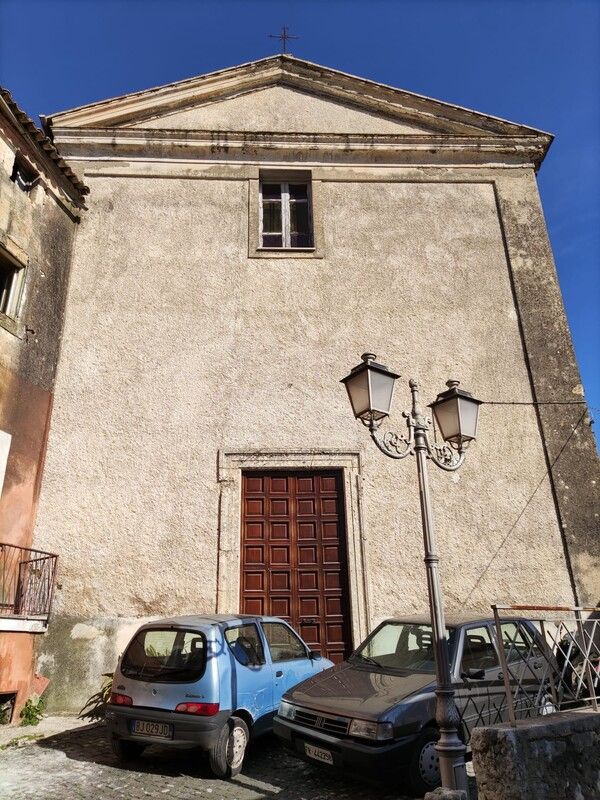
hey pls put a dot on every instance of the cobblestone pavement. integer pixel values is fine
(79, 765)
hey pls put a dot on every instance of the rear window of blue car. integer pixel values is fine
(165, 655)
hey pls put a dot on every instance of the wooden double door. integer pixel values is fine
(294, 560)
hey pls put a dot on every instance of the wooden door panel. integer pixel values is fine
(294, 561)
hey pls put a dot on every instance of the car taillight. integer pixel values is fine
(203, 709)
(121, 699)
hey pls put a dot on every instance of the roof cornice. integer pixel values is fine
(151, 144)
(296, 73)
(33, 143)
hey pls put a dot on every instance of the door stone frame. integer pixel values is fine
(229, 468)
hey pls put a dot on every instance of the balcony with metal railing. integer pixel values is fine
(27, 580)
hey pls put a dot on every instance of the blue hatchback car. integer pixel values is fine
(211, 681)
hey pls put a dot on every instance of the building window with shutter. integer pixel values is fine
(285, 216)
(11, 286)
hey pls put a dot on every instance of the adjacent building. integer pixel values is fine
(41, 201)
(250, 233)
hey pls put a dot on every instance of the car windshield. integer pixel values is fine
(165, 655)
(402, 646)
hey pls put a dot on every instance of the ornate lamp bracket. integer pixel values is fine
(399, 445)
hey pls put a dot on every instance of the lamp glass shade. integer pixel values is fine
(447, 418)
(456, 414)
(370, 387)
(469, 416)
(381, 393)
(358, 391)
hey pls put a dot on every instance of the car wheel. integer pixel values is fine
(227, 756)
(126, 750)
(424, 767)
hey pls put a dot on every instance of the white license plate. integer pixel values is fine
(158, 729)
(318, 753)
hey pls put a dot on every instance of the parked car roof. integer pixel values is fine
(453, 619)
(199, 620)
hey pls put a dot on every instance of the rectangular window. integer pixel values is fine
(23, 174)
(11, 286)
(285, 214)
(244, 642)
(165, 655)
(478, 650)
(283, 642)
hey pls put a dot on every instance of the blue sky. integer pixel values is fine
(530, 61)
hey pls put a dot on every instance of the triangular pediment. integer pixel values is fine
(285, 94)
(279, 108)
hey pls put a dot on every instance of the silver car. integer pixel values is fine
(375, 712)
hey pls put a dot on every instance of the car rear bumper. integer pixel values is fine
(348, 754)
(186, 728)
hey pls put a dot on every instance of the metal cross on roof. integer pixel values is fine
(284, 36)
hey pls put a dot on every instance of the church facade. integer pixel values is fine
(250, 233)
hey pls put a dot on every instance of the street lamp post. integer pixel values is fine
(370, 388)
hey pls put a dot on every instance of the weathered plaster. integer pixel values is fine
(177, 346)
(279, 108)
(564, 419)
(36, 231)
(180, 346)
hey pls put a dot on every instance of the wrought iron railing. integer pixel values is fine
(26, 582)
(560, 671)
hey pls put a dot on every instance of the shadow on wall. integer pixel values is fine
(74, 655)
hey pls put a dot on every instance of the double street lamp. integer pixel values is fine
(370, 388)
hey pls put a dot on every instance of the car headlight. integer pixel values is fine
(286, 710)
(371, 730)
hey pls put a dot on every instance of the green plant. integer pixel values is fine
(95, 706)
(32, 711)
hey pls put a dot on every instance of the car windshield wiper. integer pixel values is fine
(368, 659)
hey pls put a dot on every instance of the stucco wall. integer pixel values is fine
(37, 230)
(177, 345)
(279, 108)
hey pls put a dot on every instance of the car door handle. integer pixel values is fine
(279, 673)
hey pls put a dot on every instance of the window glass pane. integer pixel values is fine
(271, 191)
(402, 645)
(283, 643)
(299, 220)
(478, 650)
(244, 642)
(9, 288)
(165, 655)
(272, 240)
(271, 217)
(300, 240)
(298, 191)
(517, 643)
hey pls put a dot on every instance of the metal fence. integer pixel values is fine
(26, 582)
(558, 670)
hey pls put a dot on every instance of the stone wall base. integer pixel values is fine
(555, 757)
(446, 794)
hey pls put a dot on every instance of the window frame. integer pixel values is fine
(293, 633)
(11, 308)
(272, 175)
(461, 646)
(23, 175)
(286, 216)
(179, 633)
(261, 654)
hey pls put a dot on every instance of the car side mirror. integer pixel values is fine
(473, 674)
(314, 655)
